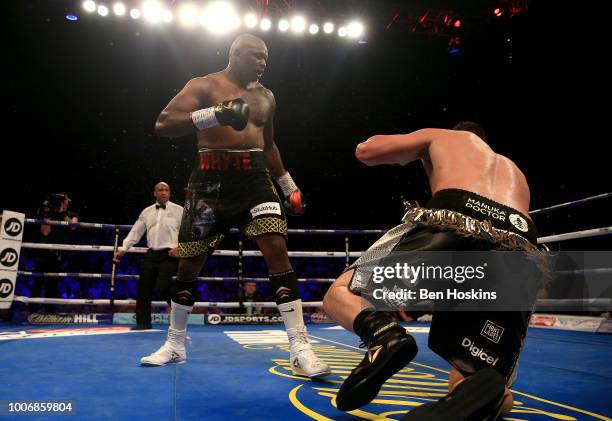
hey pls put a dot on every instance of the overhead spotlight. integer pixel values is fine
(265, 24)
(89, 6)
(283, 25)
(102, 10)
(71, 17)
(220, 17)
(167, 16)
(342, 31)
(152, 11)
(498, 12)
(250, 20)
(313, 29)
(354, 29)
(135, 14)
(298, 24)
(328, 28)
(119, 9)
(187, 14)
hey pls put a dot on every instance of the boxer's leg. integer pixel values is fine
(341, 304)
(284, 285)
(197, 241)
(390, 347)
(183, 297)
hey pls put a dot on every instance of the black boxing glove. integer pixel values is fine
(233, 113)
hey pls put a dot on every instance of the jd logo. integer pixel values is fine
(8, 257)
(6, 287)
(13, 227)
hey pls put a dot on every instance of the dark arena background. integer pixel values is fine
(83, 84)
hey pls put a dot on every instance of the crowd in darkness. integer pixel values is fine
(101, 262)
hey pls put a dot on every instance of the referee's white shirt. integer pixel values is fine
(161, 226)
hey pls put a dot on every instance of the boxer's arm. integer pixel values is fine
(175, 120)
(399, 148)
(294, 201)
(271, 152)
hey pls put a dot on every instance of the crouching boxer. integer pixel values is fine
(480, 201)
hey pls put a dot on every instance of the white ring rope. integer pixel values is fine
(124, 227)
(106, 302)
(542, 303)
(571, 203)
(201, 278)
(595, 232)
(246, 253)
(85, 275)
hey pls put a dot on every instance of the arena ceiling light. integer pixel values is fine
(250, 20)
(89, 6)
(298, 24)
(220, 17)
(283, 25)
(265, 24)
(355, 29)
(119, 9)
(167, 16)
(102, 10)
(187, 15)
(152, 11)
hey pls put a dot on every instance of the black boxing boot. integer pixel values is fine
(390, 348)
(477, 398)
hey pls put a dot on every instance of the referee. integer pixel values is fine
(161, 222)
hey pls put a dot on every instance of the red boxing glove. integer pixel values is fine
(295, 203)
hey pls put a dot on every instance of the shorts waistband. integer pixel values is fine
(468, 226)
(484, 209)
(231, 160)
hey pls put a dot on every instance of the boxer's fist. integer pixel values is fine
(294, 199)
(233, 113)
(295, 204)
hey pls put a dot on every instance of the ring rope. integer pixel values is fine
(121, 276)
(201, 304)
(123, 227)
(571, 204)
(541, 303)
(595, 232)
(234, 253)
(85, 275)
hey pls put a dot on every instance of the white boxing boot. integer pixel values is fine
(302, 358)
(171, 352)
